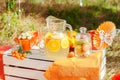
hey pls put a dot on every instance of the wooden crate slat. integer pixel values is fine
(32, 74)
(37, 64)
(36, 54)
(13, 78)
(103, 63)
(103, 72)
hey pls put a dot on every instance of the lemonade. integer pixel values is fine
(56, 45)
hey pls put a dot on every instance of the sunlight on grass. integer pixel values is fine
(8, 32)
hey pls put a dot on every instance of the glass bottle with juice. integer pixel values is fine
(82, 43)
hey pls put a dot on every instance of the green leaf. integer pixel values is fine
(28, 52)
(20, 49)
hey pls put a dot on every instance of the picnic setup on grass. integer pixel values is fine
(57, 52)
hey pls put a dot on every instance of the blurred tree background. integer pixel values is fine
(90, 14)
(87, 13)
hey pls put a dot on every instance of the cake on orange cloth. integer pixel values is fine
(76, 68)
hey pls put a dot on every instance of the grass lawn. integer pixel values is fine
(113, 58)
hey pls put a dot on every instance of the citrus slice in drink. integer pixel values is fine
(78, 50)
(53, 45)
(64, 43)
(49, 34)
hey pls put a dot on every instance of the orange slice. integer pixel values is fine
(64, 43)
(107, 26)
(53, 45)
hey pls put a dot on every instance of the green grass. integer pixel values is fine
(88, 16)
(113, 58)
(12, 26)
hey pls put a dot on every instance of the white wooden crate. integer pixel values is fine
(32, 68)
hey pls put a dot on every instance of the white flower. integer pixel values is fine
(29, 37)
(24, 37)
(27, 34)
(20, 37)
(23, 34)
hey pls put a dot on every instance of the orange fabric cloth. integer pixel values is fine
(2, 49)
(76, 68)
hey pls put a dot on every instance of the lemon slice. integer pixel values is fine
(64, 43)
(53, 45)
(49, 34)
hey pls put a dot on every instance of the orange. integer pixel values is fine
(64, 43)
(17, 56)
(15, 51)
(20, 54)
(53, 45)
(13, 54)
(22, 58)
(71, 54)
(24, 54)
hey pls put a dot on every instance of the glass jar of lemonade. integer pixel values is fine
(82, 43)
(56, 41)
(56, 45)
